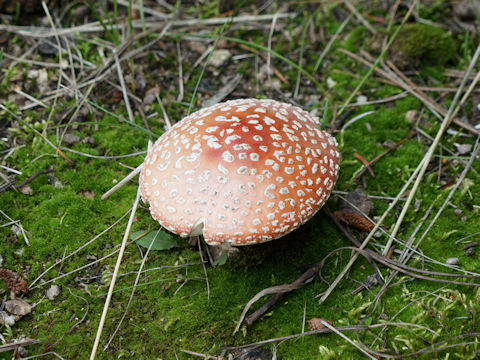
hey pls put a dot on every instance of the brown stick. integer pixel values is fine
(302, 280)
(33, 177)
(378, 157)
(364, 162)
(13, 346)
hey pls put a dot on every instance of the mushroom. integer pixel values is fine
(240, 172)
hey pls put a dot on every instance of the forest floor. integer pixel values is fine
(85, 86)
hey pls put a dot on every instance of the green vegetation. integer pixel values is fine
(423, 44)
(174, 306)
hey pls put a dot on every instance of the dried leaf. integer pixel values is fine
(316, 323)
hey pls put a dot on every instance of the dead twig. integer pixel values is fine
(114, 277)
(378, 157)
(364, 162)
(305, 278)
(16, 344)
(33, 177)
(359, 16)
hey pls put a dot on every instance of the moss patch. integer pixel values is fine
(420, 44)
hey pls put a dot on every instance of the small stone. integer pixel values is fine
(264, 72)
(361, 99)
(331, 83)
(53, 292)
(219, 57)
(26, 190)
(464, 218)
(273, 83)
(452, 261)
(91, 257)
(41, 77)
(71, 139)
(197, 46)
(88, 140)
(463, 149)
(457, 211)
(6, 319)
(55, 181)
(22, 352)
(470, 251)
(18, 307)
(411, 116)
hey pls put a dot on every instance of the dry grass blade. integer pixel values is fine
(269, 291)
(359, 16)
(59, 81)
(330, 43)
(339, 333)
(19, 224)
(329, 331)
(367, 240)
(422, 167)
(16, 344)
(132, 293)
(122, 182)
(124, 88)
(411, 88)
(95, 27)
(224, 91)
(114, 277)
(380, 57)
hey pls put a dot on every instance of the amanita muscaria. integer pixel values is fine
(240, 172)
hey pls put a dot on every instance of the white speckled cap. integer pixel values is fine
(242, 172)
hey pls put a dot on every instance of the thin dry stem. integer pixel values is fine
(114, 277)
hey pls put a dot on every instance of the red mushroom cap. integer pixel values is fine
(242, 172)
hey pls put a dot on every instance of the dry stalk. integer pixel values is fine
(59, 81)
(422, 167)
(359, 16)
(137, 278)
(114, 277)
(367, 239)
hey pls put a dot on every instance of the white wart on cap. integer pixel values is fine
(241, 172)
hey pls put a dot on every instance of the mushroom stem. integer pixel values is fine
(122, 182)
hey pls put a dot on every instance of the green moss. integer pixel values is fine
(171, 309)
(355, 39)
(418, 44)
